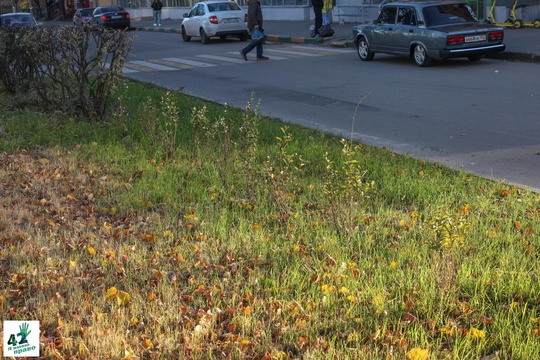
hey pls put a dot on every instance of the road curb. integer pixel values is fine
(515, 56)
(157, 29)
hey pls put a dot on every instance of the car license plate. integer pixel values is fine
(116, 17)
(475, 38)
(231, 20)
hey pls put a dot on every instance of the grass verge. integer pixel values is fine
(185, 229)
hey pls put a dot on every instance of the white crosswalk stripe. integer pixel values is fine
(152, 65)
(232, 57)
(189, 62)
(321, 49)
(222, 58)
(292, 52)
(253, 57)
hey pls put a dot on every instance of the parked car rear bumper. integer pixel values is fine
(455, 53)
(232, 32)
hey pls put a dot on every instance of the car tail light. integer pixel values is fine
(103, 17)
(496, 35)
(127, 16)
(455, 40)
(245, 18)
(213, 19)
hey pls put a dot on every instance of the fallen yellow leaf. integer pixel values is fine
(123, 298)
(111, 293)
(477, 334)
(418, 354)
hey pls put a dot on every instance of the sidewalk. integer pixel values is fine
(521, 44)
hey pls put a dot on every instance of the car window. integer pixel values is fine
(200, 10)
(406, 16)
(448, 14)
(86, 12)
(227, 6)
(110, 9)
(388, 15)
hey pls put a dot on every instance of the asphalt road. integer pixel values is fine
(481, 117)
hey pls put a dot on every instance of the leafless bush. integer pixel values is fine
(15, 64)
(70, 69)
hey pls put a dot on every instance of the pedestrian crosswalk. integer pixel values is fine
(228, 58)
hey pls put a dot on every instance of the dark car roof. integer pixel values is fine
(110, 8)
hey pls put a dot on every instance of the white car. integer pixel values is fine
(215, 19)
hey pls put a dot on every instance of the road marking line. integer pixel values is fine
(136, 67)
(320, 49)
(126, 70)
(189, 62)
(222, 58)
(152, 65)
(289, 52)
(173, 64)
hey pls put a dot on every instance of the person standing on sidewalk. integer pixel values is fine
(327, 8)
(317, 9)
(157, 5)
(255, 22)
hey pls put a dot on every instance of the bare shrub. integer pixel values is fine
(15, 64)
(77, 69)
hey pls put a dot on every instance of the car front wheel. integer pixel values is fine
(420, 56)
(362, 48)
(185, 36)
(204, 38)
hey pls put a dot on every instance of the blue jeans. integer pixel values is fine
(251, 46)
(157, 17)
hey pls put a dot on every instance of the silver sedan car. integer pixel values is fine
(427, 31)
(18, 19)
(215, 19)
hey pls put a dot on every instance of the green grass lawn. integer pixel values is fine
(181, 229)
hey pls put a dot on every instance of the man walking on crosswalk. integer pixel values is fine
(255, 22)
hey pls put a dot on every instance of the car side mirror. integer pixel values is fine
(185, 15)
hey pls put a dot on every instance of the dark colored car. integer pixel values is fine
(113, 17)
(82, 16)
(427, 31)
(18, 19)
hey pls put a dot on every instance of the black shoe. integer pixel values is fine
(243, 55)
(262, 58)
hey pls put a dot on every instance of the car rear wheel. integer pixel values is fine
(185, 36)
(362, 48)
(204, 38)
(420, 56)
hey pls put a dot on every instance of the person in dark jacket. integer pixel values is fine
(255, 22)
(156, 6)
(317, 9)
